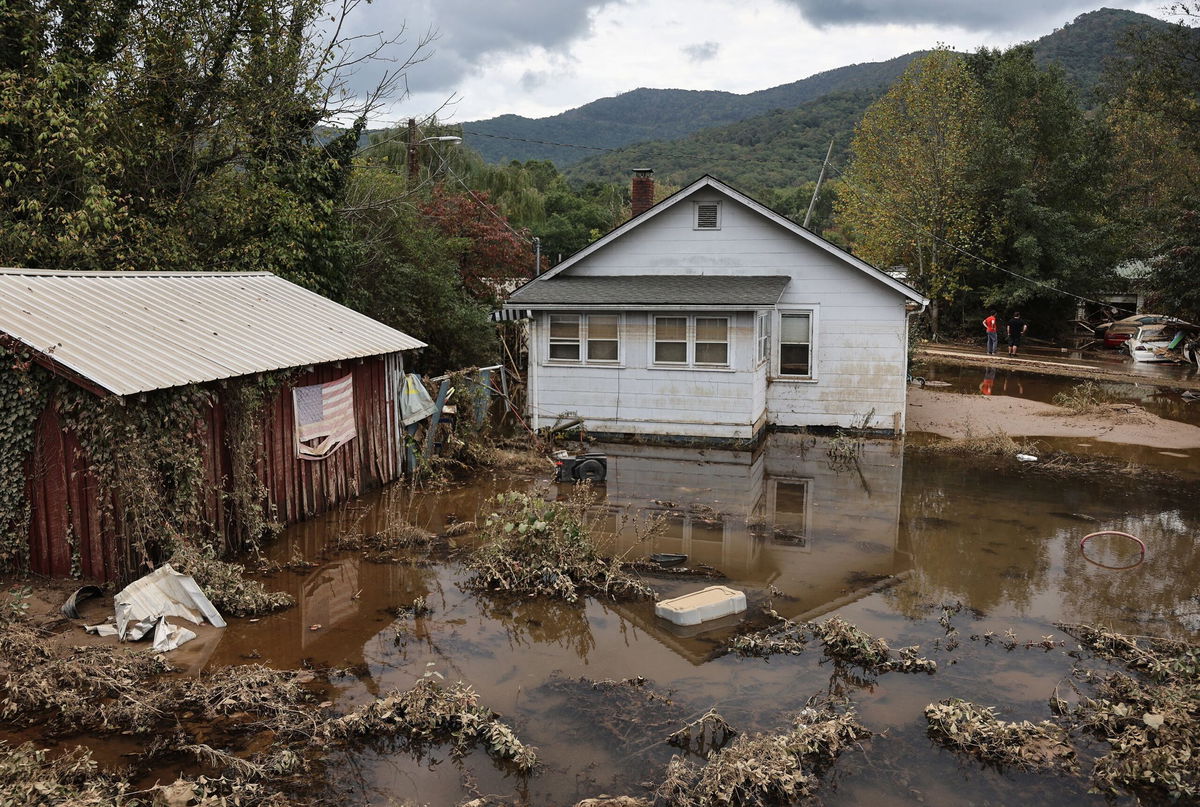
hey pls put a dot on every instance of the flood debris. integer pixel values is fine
(785, 637)
(384, 545)
(430, 712)
(976, 730)
(226, 584)
(546, 548)
(765, 769)
(70, 608)
(709, 732)
(1147, 714)
(848, 644)
(145, 603)
(31, 776)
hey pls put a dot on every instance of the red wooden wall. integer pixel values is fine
(63, 496)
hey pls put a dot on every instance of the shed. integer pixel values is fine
(211, 402)
(710, 317)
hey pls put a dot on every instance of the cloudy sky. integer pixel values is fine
(541, 57)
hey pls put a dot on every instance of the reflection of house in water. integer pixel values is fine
(823, 533)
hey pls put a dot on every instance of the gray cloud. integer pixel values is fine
(469, 33)
(974, 15)
(701, 51)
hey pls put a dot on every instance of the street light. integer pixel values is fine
(413, 143)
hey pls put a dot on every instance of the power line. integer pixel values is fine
(538, 142)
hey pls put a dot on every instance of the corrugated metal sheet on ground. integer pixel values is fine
(132, 332)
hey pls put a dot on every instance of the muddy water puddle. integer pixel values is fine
(884, 542)
(1162, 401)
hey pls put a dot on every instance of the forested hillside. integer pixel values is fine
(777, 150)
(649, 114)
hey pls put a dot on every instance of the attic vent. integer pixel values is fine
(708, 215)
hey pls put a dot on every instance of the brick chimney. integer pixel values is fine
(642, 190)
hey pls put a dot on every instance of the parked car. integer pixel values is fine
(1149, 339)
(1119, 332)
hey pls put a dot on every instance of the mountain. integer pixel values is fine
(646, 114)
(649, 117)
(1084, 46)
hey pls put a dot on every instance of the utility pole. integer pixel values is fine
(813, 202)
(413, 166)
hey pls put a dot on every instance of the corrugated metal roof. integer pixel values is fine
(132, 332)
(721, 290)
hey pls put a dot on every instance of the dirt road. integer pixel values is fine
(1106, 367)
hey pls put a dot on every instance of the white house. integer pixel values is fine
(709, 316)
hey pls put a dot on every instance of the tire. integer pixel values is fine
(590, 471)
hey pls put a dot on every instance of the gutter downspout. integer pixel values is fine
(909, 310)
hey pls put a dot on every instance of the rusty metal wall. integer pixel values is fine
(65, 511)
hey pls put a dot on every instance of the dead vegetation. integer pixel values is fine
(385, 545)
(710, 731)
(628, 713)
(976, 730)
(1150, 715)
(995, 443)
(843, 642)
(216, 721)
(226, 584)
(430, 712)
(1083, 399)
(765, 769)
(533, 546)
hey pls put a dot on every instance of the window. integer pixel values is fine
(790, 511)
(708, 215)
(694, 341)
(564, 337)
(763, 335)
(795, 344)
(592, 338)
(712, 340)
(670, 340)
(602, 337)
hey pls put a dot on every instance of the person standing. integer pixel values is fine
(1016, 329)
(990, 325)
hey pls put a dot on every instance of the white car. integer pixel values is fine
(1149, 340)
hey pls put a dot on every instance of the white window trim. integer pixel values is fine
(691, 363)
(696, 214)
(814, 312)
(583, 360)
(762, 341)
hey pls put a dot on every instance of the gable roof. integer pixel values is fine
(129, 332)
(708, 181)
(715, 291)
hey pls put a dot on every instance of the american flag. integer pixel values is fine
(324, 417)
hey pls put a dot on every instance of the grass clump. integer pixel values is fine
(533, 546)
(764, 769)
(976, 730)
(994, 443)
(1082, 399)
(226, 585)
(429, 712)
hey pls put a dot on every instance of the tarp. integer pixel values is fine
(163, 592)
(415, 403)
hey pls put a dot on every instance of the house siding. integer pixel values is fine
(860, 349)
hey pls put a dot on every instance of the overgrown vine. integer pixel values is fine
(22, 398)
(250, 509)
(146, 454)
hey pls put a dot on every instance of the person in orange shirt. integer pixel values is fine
(989, 378)
(993, 336)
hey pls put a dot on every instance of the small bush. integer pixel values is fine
(1083, 399)
(226, 584)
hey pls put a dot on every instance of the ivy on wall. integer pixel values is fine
(147, 454)
(22, 398)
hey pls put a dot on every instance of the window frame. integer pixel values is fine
(804, 544)
(583, 339)
(762, 337)
(690, 342)
(813, 313)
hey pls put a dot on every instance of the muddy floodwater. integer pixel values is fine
(885, 541)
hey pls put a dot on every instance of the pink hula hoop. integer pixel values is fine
(1141, 547)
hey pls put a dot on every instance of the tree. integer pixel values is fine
(909, 196)
(1041, 168)
(488, 250)
(175, 134)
